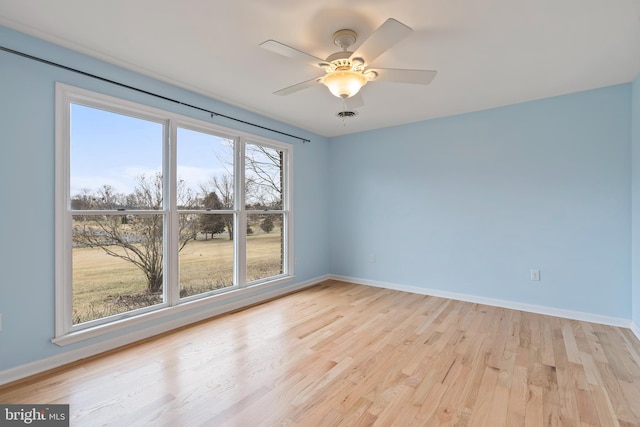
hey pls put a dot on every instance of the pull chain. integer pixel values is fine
(344, 111)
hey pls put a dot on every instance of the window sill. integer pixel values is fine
(237, 298)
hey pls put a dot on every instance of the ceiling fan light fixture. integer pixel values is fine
(344, 84)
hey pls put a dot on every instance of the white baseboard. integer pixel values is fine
(42, 365)
(550, 311)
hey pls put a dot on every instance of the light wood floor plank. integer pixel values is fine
(340, 354)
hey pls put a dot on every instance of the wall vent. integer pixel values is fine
(347, 114)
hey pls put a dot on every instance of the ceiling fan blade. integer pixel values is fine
(298, 86)
(290, 52)
(388, 34)
(417, 77)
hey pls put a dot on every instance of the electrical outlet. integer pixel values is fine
(372, 259)
(535, 275)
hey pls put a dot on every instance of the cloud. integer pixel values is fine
(123, 181)
(194, 177)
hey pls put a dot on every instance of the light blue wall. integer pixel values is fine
(27, 190)
(465, 204)
(470, 203)
(635, 188)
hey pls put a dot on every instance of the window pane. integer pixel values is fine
(116, 264)
(116, 161)
(263, 177)
(206, 262)
(205, 171)
(264, 246)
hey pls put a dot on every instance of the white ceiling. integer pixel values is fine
(487, 53)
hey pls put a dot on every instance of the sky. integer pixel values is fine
(114, 149)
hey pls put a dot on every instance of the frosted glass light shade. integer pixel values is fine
(344, 84)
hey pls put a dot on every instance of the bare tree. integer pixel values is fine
(264, 176)
(222, 186)
(132, 237)
(263, 182)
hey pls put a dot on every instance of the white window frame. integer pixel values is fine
(65, 331)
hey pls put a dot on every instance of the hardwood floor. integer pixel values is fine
(345, 354)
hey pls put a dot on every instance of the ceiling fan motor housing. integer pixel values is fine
(340, 59)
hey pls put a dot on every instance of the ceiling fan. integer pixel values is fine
(347, 72)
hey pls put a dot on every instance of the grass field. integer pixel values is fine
(104, 285)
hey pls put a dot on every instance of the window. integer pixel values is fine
(155, 211)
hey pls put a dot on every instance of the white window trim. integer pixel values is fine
(65, 332)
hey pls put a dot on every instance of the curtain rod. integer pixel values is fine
(84, 73)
